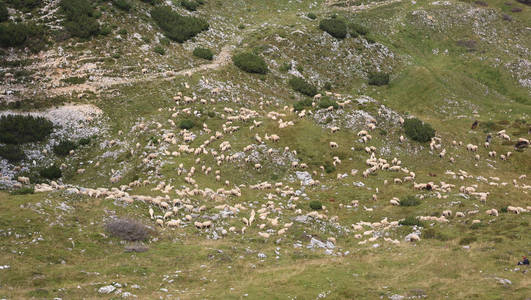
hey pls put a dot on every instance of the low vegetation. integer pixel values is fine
(203, 53)
(250, 63)
(13, 153)
(409, 201)
(176, 27)
(418, 130)
(21, 129)
(410, 221)
(80, 18)
(300, 85)
(22, 35)
(335, 27)
(127, 229)
(316, 205)
(64, 147)
(52, 172)
(378, 78)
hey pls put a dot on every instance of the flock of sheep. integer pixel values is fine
(193, 202)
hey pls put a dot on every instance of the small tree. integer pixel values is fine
(250, 63)
(335, 27)
(418, 130)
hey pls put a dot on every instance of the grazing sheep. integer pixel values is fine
(333, 145)
(459, 214)
(492, 212)
(447, 213)
(24, 180)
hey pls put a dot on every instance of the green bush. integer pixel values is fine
(467, 240)
(159, 49)
(19, 129)
(80, 18)
(13, 153)
(84, 141)
(335, 27)
(203, 53)
(190, 5)
(23, 191)
(300, 105)
(75, 80)
(25, 5)
(357, 30)
(312, 16)
(303, 87)
(409, 201)
(329, 167)
(4, 14)
(378, 78)
(316, 205)
(22, 35)
(410, 221)
(186, 124)
(64, 148)
(327, 86)
(122, 4)
(250, 63)
(52, 172)
(176, 27)
(326, 102)
(418, 130)
(431, 233)
(285, 67)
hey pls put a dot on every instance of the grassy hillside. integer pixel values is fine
(119, 97)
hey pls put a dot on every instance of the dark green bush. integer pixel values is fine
(326, 102)
(203, 53)
(335, 27)
(25, 5)
(23, 191)
(312, 16)
(329, 167)
(300, 105)
(503, 209)
(250, 63)
(19, 129)
(409, 201)
(176, 27)
(64, 148)
(316, 205)
(410, 221)
(357, 30)
(80, 18)
(285, 67)
(122, 4)
(75, 80)
(13, 153)
(378, 78)
(418, 130)
(190, 5)
(327, 86)
(22, 35)
(4, 14)
(186, 124)
(159, 49)
(303, 87)
(467, 240)
(52, 172)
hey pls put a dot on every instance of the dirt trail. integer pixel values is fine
(355, 8)
(220, 60)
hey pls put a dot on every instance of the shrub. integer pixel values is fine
(285, 67)
(300, 105)
(326, 102)
(329, 168)
(64, 148)
(410, 221)
(22, 35)
(316, 205)
(250, 63)
(122, 4)
(52, 172)
(186, 124)
(409, 201)
(378, 78)
(23, 191)
(75, 80)
(327, 86)
(303, 87)
(13, 153)
(25, 5)
(19, 129)
(203, 53)
(176, 27)
(190, 5)
(4, 14)
(84, 141)
(418, 130)
(335, 27)
(128, 230)
(467, 240)
(357, 30)
(159, 49)
(80, 18)
(312, 16)
(431, 233)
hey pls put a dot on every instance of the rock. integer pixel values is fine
(304, 177)
(106, 289)
(261, 255)
(301, 219)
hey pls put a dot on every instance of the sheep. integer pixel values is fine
(492, 212)
(459, 214)
(395, 201)
(334, 129)
(24, 180)
(257, 166)
(333, 145)
(447, 213)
